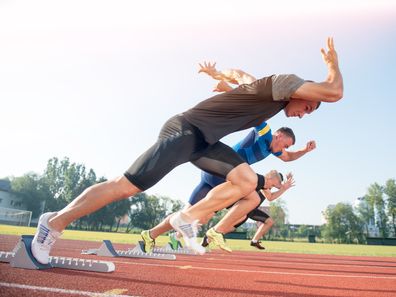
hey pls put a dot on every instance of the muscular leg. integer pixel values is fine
(92, 199)
(200, 191)
(232, 228)
(263, 229)
(240, 209)
(241, 182)
(161, 228)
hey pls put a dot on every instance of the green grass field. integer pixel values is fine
(241, 245)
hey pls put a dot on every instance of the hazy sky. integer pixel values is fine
(95, 81)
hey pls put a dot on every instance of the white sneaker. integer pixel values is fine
(44, 239)
(188, 231)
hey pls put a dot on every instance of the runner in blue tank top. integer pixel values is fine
(258, 144)
(255, 147)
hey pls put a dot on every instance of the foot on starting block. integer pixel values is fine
(21, 257)
(107, 250)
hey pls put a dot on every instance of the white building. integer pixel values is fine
(10, 204)
(9, 200)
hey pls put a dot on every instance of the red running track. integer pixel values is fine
(214, 274)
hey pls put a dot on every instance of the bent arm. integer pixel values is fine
(288, 156)
(233, 76)
(237, 76)
(271, 196)
(330, 90)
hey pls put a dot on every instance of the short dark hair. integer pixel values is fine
(288, 132)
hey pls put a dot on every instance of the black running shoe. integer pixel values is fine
(205, 241)
(257, 245)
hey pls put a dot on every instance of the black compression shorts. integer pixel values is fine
(180, 142)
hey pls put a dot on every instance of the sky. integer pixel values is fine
(95, 81)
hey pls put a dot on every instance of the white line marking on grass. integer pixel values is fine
(64, 291)
(262, 272)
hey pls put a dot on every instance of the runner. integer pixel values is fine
(193, 136)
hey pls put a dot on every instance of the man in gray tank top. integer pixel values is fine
(299, 97)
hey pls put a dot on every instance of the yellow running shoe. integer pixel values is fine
(149, 243)
(217, 239)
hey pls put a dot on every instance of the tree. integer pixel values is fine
(146, 211)
(278, 213)
(32, 191)
(390, 191)
(212, 222)
(65, 181)
(342, 224)
(303, 231)
(119, 210)
(365, 212)
(375, 195)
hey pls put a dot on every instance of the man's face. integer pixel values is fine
(278, 184)
(299, 107)
(275, 183)
(280, 141)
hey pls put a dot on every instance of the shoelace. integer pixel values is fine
(188, 230)
(219, 239)
(194, 226)
(46, 238)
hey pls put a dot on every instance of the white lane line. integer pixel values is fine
(265, 261)
(262, 272)
(64, 291)
(300, 259)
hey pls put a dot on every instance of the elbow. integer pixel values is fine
(288, 159)
(336, 94)
(334, 97)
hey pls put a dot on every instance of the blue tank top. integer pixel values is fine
(253, 148)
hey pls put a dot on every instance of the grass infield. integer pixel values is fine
(235, 244)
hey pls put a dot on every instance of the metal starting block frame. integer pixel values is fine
(167, 249)
(22, 257)
(107, 250)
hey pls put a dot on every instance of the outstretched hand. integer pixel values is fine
(208, 68)
(289, 182)
(311, 145)
(330, 57)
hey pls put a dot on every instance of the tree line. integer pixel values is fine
(347, 224)
(62, 181)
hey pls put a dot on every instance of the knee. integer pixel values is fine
(269, 222)
(243, 219)
(123, 187)
(244, 177)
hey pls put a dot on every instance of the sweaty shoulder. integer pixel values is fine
(284, 85)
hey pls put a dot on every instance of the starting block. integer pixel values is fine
(169, 249)
(21, 257)
(107, 250)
